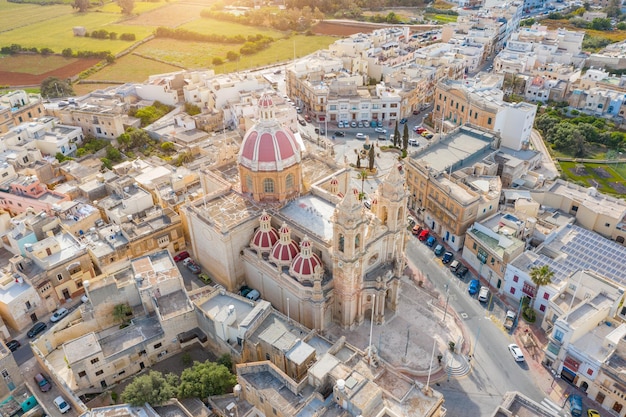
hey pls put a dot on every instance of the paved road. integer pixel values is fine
(494, 372)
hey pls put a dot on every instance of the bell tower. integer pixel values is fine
(349, 227)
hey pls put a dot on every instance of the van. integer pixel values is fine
(42, 383)
(455, 265)
(439, 250)
(253, 295)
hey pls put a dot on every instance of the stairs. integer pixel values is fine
(457, 365)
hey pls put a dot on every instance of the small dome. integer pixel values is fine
(285, 250)
(266, 236)
(334, 181)
(266, 101)
(306, 263)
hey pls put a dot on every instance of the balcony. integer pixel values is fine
(552, 350)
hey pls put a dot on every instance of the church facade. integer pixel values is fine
(308, 245)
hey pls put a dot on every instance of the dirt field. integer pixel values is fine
(343, 28)
(14, 78)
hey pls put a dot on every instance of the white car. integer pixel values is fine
(62, 405)
(59, 314)
(360, 135)
(413, 142)
(516, 352)
(380, 130)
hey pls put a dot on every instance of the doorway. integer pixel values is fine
(66, 294)
(33, 318)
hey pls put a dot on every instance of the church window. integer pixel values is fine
(341, 242)
(289, 182)
(268, 185)
(249, 182)
(357, 241)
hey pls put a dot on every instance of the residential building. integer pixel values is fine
(608, 386)
(570, 249)
(20, 192)
(492, 243)
(20, 304)
(18, 107)
(518, 403)
(126, 198)
(456, 104)
(594, 211)
(11, 374)
(452, 183)
(578, 320)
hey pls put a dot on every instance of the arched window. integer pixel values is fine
(399, 218)
(249, 183)
(289, 182)
(341, 242)
(383, 216)
(268, 185)
(357, 241)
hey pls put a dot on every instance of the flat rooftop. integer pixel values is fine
(227, 210)
(313, 214)
(220, 302)
(154, 268)
(459, 149)
(274, 391)
(596, 202)
(140, 330)
(81, 348)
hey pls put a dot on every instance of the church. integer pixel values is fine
(289, 223)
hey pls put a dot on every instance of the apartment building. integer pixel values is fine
(608, 386)
(20, 192)
(451, 183)
(492, 243)
(457, 103)
(18, 107)
(11, 376)
(578, 319)
(594, 211)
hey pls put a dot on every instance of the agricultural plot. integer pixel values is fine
(33, 69)
(605, 178)
(15, 15)
(130, 68)
(211, 26)
(172, 15)
(57, 34)
(139, 8)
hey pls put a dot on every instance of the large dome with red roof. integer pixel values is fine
(268, 146)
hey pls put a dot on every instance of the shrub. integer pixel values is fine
(128, 37)
(218, 61)
(67, 52)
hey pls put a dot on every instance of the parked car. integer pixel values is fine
(253, 295)
(429, 136)
(431, 241)
(298, 110)
(194, 268)
(13, 345)
(592, 413)
(62, 405)
(59, 314)
(462, 271)
(447, 257)
(473, 287)
(307, 118)
(380, 130)
(181, 256)
(403, 120)
(516, 352)
(419, 130)
(360, 124)
(340, 134)
(379, 123)
(439, 250)
(454, 265)
(413, 142)
(36, 329)
(423, 235)
(84, 299)
(244, 290)
(302, 122)
(382, 137)
(42, 383)
(483, 295)
(424, 133)
(416, 111)
(353, 124)
(360, 136)
(205, 278)
(417, 229)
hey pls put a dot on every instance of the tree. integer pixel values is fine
(168, 147)
(226, 360)
(362, 176)
(372, 158)
(53, 87)
(113, 154)
(396, 136)
(232, 56)
(81, 5)
(205, 379)
(540, 276)
(358, 160)
(405, 137)
(151, 388)
(217, 61)
(121, 312)
(127, 6)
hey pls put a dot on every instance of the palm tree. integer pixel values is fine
(362, 176)
(540, 276)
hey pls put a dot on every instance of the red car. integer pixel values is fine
(423, 235)
(181, 256)
(420, 130)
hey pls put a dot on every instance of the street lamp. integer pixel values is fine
(445, 314)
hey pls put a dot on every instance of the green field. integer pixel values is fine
(139, 8)
(210, 26)
(130, 68)
(441, 18)
(56, 33)
(14, 15)
(600, 176)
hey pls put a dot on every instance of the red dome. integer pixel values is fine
(266, 101)
(285, 249)
(334, 181)
(264, 238)
(305, 263)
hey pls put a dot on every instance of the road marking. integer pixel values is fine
(464, 316)
(551, 406)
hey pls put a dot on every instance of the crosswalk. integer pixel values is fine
(553, 407)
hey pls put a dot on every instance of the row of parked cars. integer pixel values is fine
(423, 235)
(361, 124)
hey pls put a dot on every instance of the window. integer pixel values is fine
(28, 306)
(341, 242)
(489, 121)
(546, 296)
(600, 397)
(474, 245)
(100, 372)
(515, 278)
(357, 241)
(267, 356)
(163, 240)
(5, 373)
(574, 209)
(158, 345)
(542, 308)
(589, 371)
(60, 277)
(268, 185)
(75, 270)
(512, 290)
(289, 182)
(607, 224)
(121, 373)
(249, 182)
(82, 374)
(95, 360)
